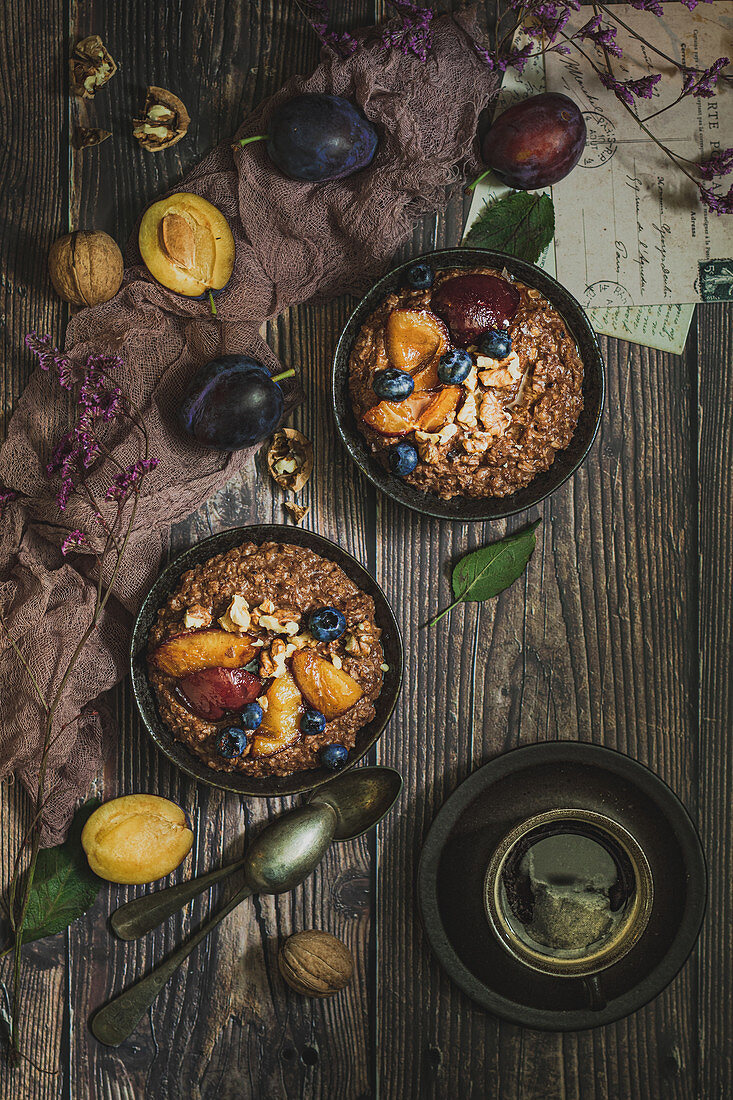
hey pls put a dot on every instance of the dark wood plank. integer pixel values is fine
(715, 731)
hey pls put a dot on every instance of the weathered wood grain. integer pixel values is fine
(599, 642)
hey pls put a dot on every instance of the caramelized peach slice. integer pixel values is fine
(213, 648)
(426, 378)
(437, 412)
(413, 337)
(281, 721)
(325, 687)
(396, 417)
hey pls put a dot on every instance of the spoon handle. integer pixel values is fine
(113, 1023)
(141, 915)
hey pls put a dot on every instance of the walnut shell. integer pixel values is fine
(87, 136)
(290, 459)
(315, 964)
(86, 267)
(91, 66)
(164, 120)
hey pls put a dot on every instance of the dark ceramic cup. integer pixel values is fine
(566, 462)
(167, 582)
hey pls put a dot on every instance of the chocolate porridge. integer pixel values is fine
(505, 422)
(236, 632)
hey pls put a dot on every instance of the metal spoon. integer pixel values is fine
(359, 798)
(284, 854)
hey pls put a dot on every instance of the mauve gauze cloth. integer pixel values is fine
(295, 242)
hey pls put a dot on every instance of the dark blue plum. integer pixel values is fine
(402, 459)
(334, 756)
(320, 137)
(327, 624)
(393, 384)
(231, 742)
(420, 276)
(496, 342)
(251, 716)
(231, 402)
(312, 722)
(454, 366)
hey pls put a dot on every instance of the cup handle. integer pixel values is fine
(596, 997)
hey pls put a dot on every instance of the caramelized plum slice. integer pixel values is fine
(469, 304)
(210, 648)
(396, 417)
(426, 378)
(281, 721)
(414, 336)
(211, 693)
(442, 405)
(325, 687)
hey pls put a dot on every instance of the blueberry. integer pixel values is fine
(312, 722)
(420, 276)
(496, 342)
(326, 624)
(251, 716)
(393, 384)
(334, 756)
(231, 742)
(454, 366)
(402, 458)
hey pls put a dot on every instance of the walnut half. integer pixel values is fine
(91, 66)
(165, 120)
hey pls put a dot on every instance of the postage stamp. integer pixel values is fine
(716, 280)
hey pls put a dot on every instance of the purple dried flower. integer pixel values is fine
(414, 35)
(129, 480)
(626, 90)
(75, 540)
(317, 13)
(519, 58)
(64, 494)
(717, 164)
(654, 6)
(719, 204)
(692, 4)
(702, 82)
(603, 36)
(6, 495)
(48, 355)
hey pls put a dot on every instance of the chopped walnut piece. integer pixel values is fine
(428, 446)
(498, 379)
(467, 414)
(476, 443)
(196, 617)
(493, 417)
(237, 617)
(358, 641)
(297, 511)
(165, 120)
(281, 620)
(91, 66)
(471, 379)
(290, 459)
(87, 136)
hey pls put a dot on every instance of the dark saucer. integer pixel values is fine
(484, 809)
(274, 785)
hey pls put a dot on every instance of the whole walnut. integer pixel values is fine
(86, 267)
(315, 963)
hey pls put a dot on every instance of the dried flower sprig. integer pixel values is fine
(413, 35)
(83, 448)
(544, 23)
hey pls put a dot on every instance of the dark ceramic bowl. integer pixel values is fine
(475, 820)
(566, 462)
(167, 582)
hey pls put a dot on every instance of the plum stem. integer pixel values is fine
(249, 140)
(283, 374)
(213, 304)
(476, 182)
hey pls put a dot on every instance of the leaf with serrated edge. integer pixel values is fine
(64, 886)
(521, 224)
(488, 571)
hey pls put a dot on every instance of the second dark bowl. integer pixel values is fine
(566, 462)
(274, 785)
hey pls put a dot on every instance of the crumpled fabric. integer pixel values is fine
(294, 242)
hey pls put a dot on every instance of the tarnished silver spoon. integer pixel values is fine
(281, 857)
(360, 799)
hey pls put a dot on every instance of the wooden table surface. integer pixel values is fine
(618, 634)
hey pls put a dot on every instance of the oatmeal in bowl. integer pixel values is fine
(468, 384)
(266, 660)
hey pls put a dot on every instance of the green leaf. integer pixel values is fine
(521, 224)
(64, 886)
(488, 571)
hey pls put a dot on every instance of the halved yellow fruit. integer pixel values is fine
(187, 245)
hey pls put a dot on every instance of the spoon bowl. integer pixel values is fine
(359, 798)
(289, 849)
